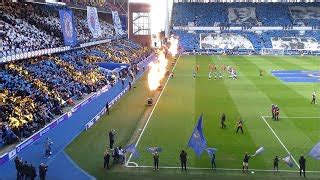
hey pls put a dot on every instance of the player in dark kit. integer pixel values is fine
(111, 138)
(275, 163)
(239, 126)
(277, 113)
(107, 108)
(223, 119)
(273, 111)
(156, 161)
(314, 95)
(183, 160)
(106, 159)
(245, 163)
(18, 162)
(302, 164)
(213, 161)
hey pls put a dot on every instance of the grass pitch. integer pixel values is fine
(184, 99)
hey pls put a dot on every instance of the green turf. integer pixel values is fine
(185, 98)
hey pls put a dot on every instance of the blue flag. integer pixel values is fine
(154, 149)
(93, 21)
(211, 151)
(288, 160)
(197, 141)
(315, 151)
(132, 149)
(68, 27)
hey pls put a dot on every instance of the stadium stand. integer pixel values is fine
(84, 34)
(33, 26)
(20, 35)
(191, 41)
(225, 17)
(34, 91)
(268, 14)
(108, 4)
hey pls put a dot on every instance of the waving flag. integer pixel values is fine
(154, 149)
(132, 149)
(288, 160)
(197, 141)
(68, 27)
(259, 151)
(315, 151)
(117, 23)
(211, 151)
(93, 21)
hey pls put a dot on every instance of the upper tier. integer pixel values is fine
(265, 14)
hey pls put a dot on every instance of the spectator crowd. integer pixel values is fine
(34, 91)
(29, 27)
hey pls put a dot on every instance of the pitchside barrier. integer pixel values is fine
(263, 51)
(27, 142)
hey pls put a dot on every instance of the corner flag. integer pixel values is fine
(197, 141)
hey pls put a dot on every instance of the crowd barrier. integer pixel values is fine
(26, 55)
(31, 54)
(251, 52)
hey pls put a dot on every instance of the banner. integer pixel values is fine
(93, 21)
(295, 43)
(117, 23)
(68, 27)
(224, 41)
(242, 15)
(302, 12)
(124, 22)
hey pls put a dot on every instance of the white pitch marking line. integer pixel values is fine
(298, 117)
(135, 164)
(223, 169)
(154, 107)
(218, 57)
(280, 141)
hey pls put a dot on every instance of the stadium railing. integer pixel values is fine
(26, 55)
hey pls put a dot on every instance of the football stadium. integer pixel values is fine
(159, 89)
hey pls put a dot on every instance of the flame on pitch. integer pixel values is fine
(157, 71)
(173, 49)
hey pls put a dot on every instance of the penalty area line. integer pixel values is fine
(150, 115)
(221, 169)
(274, 133)
(294, 117)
